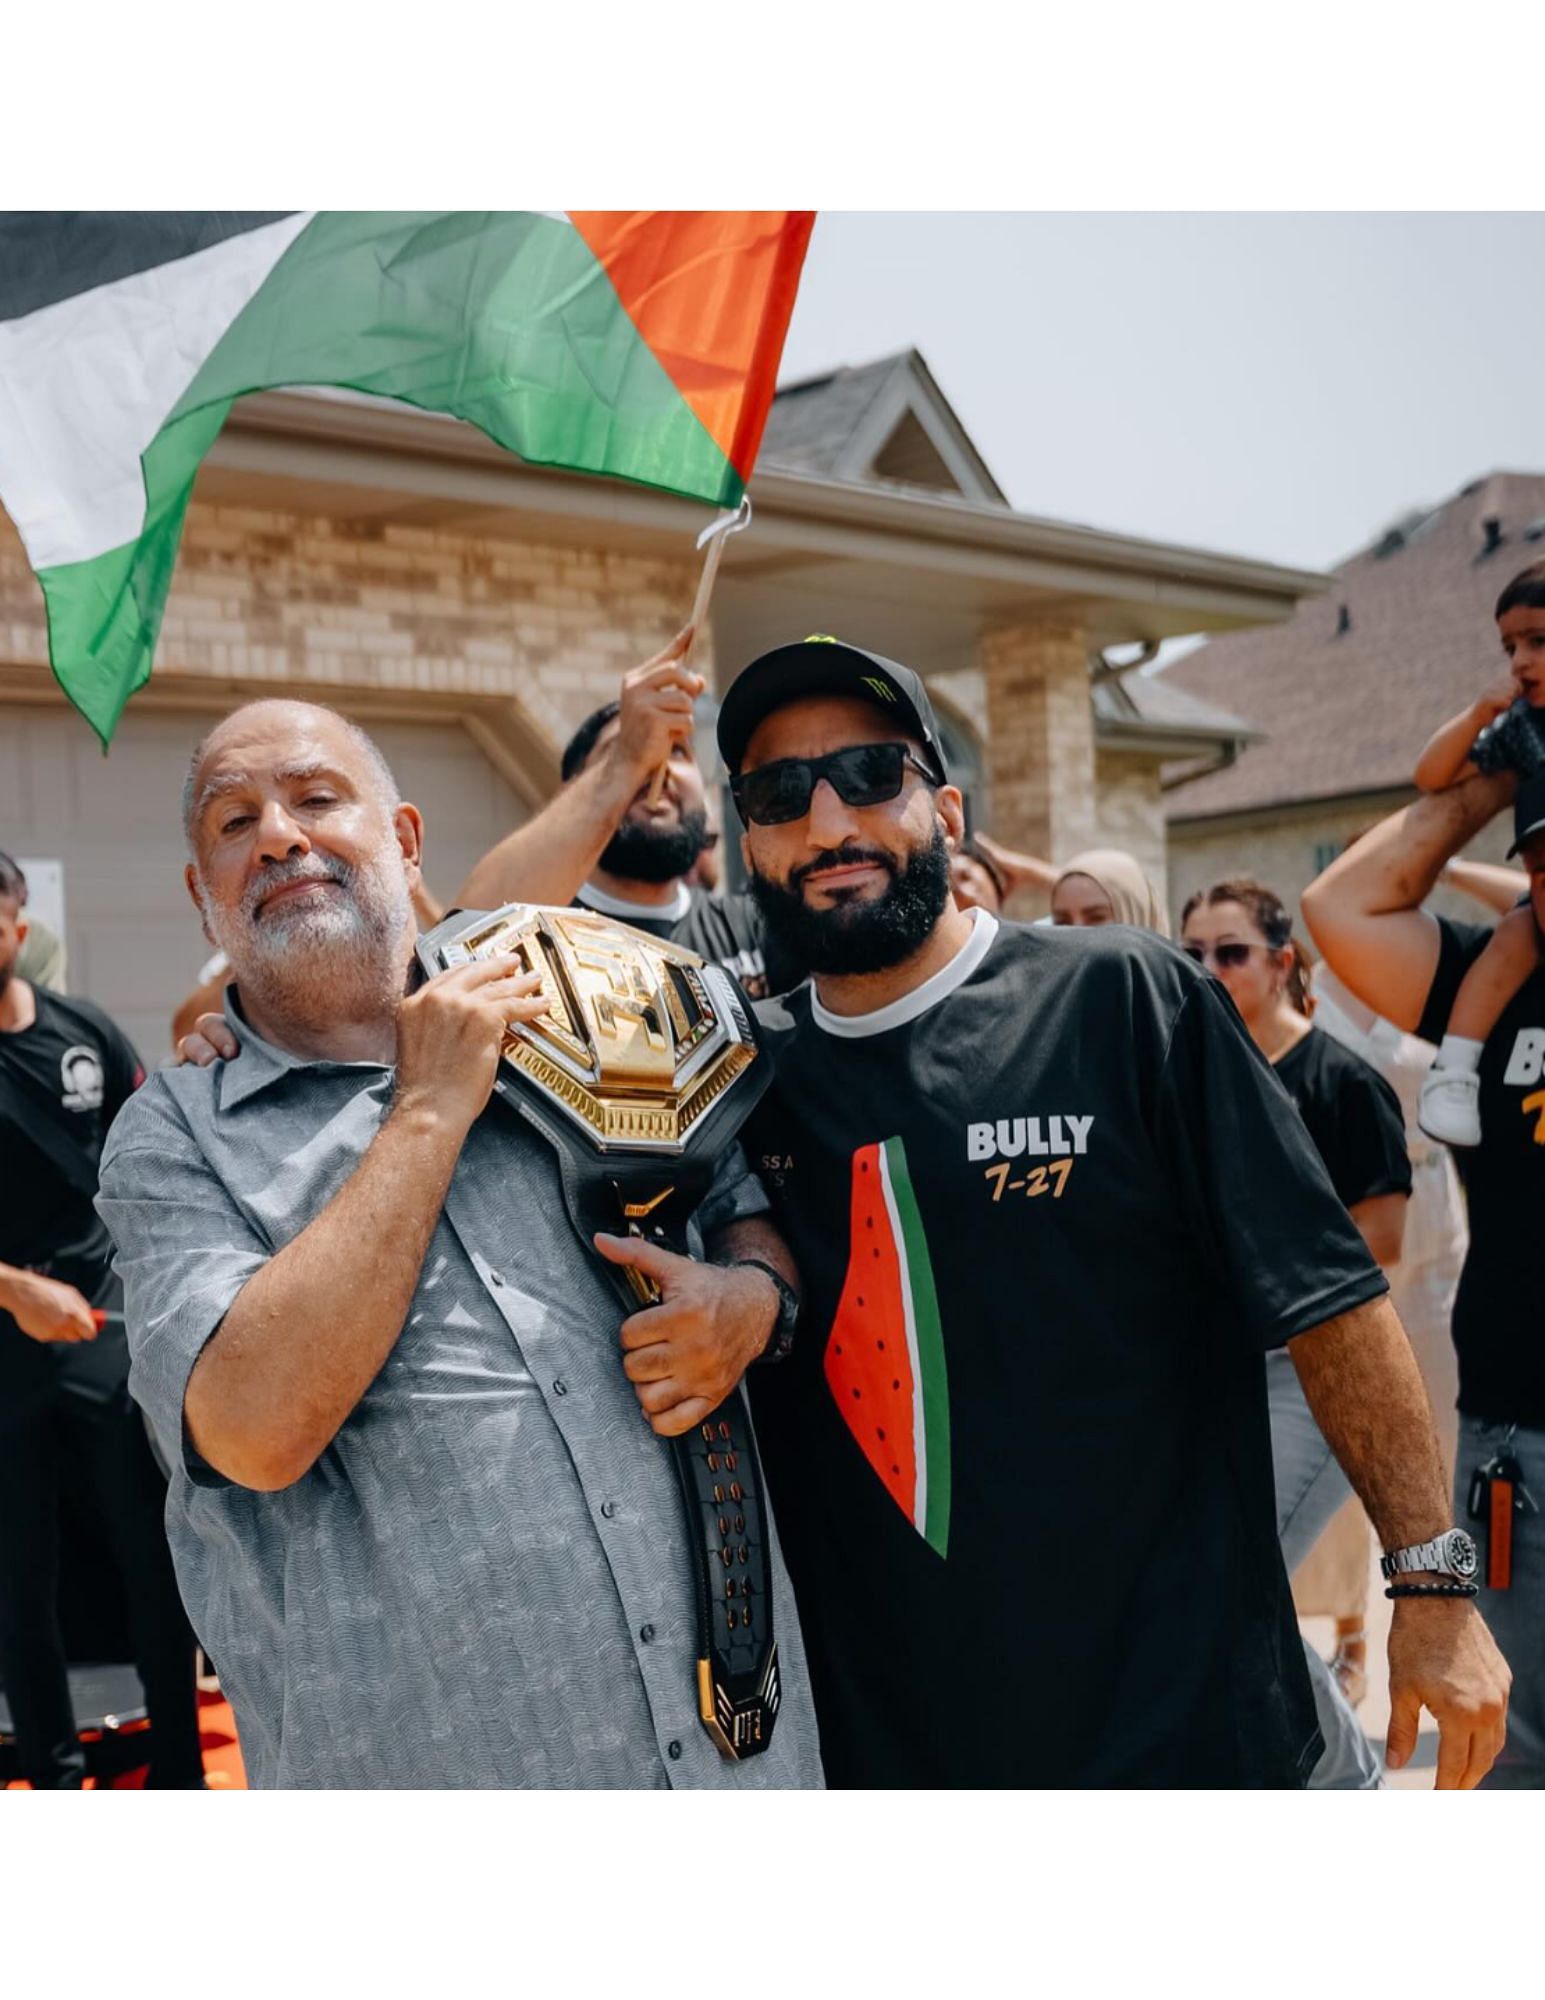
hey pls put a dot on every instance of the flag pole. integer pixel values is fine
(713, 538)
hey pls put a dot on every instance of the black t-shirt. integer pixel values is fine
(62, 1083)
(1497, 1326)
(1020, 1453)
(1353, 1116)
(726, 930)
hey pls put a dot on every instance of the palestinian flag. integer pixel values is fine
(639, 344)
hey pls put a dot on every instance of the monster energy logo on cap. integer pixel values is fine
(821, 664)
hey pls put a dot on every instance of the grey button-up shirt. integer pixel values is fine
(485, 1579)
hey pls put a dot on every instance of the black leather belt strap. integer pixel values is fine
(717, 1467)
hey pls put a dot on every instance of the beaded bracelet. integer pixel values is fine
(1455, 1589)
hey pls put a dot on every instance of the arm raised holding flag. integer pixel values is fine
(637, 344)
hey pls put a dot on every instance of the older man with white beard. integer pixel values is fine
(417, 1515)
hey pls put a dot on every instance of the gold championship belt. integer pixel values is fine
(640, 1074)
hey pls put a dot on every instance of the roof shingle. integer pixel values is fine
(1347, 692)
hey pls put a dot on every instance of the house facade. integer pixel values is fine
(1343, 695)
(469, 610)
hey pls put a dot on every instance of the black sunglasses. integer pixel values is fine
(867, 774)
(1232, 955)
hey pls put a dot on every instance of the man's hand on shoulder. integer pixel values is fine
(211, 1039)
(686, 1354)
(46, 1309)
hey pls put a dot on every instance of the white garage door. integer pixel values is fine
(134, 937)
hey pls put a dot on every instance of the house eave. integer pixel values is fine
(1167, 740)
(298, 436)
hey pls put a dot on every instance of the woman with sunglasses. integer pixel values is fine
(1240, 931)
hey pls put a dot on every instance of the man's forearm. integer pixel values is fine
(1396, 865)
(549, 858)
(754, 1236)
(1365, 911)
(1361, 1380)
(308, 1333)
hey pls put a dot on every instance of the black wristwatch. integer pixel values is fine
(781, 1340)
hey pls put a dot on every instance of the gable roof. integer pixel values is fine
(1143, 711)
(1349, 689)
(887, 423)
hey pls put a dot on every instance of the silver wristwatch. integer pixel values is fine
(1451, 1554)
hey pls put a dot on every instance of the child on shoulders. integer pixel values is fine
(1502, 730)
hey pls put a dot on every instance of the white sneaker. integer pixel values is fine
(1449, 1107)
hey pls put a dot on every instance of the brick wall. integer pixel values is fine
(1288, 851)
(1039, 738)
(293, 599)
(1129, 811)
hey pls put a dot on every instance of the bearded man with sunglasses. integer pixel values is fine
(1050, 1217)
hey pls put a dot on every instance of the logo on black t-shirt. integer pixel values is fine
(1059, 1136)
(1524, 1066)
(80, 1074)
(1056, 1140)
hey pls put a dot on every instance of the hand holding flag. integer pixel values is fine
(638, 344)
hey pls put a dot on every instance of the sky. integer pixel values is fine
(1280, 386)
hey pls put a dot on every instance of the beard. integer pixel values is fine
(316, 956)
(859, 934)
(641, 853)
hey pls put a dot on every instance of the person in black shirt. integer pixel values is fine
(607, 844)
(641, 875)
(1048, 1216)
(1365, 914)
(65, 1413)
(1240, 930)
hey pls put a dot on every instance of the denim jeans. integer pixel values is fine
(1311, 1487)
(1516, 1615)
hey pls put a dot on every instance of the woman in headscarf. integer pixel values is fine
(1106, 886)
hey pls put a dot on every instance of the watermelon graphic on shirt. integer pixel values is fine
(885, 1353)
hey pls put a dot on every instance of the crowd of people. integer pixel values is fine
(1056, 1265)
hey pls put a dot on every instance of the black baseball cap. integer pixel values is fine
(1528, 811)
(823, 665)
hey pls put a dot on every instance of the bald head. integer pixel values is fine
(314, 737)
(304, 862)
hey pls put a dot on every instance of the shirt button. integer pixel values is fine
(560, 1388)
(496, 1278)
(609, 1508)
(673, 1751)
(646, 1633)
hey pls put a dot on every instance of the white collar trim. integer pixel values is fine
(618, 906)
(921, 998)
